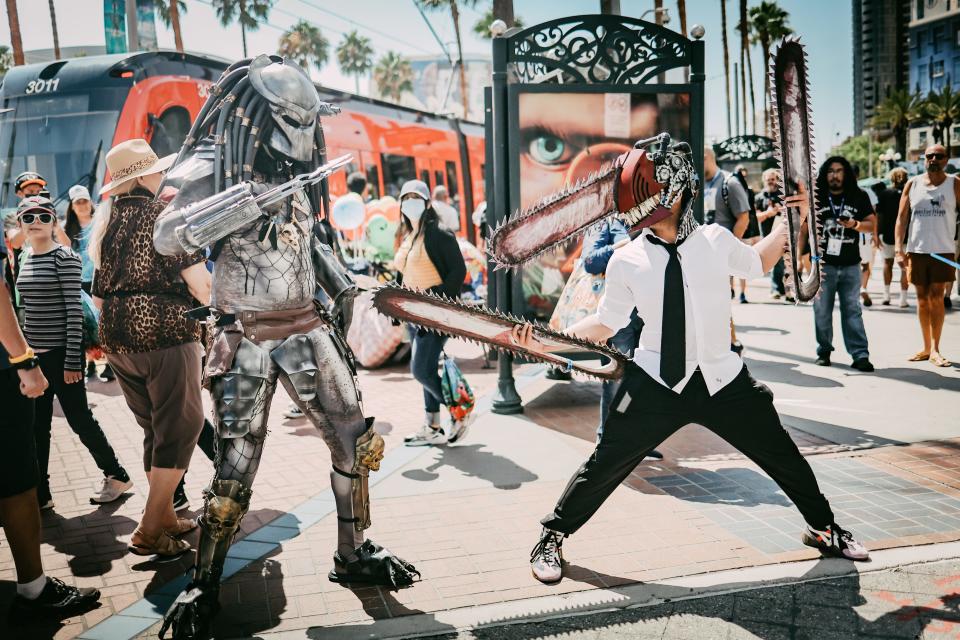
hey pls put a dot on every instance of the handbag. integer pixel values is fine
(372, 337)
(457, 394)
(580, 298)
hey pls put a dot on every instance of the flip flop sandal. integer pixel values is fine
(940, 361)
(184, 526)
(920, 357)
(164, 546)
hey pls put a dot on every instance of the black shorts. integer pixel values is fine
(18, 454)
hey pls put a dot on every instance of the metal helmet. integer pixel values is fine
(294, 105)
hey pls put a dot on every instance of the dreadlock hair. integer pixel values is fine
(237, 118)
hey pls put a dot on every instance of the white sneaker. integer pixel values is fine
(110, 490)
(459, 428)
(903, 302)
(546, 559)
(836, 542)
(426, 436)
(48, 505)
(293, 411)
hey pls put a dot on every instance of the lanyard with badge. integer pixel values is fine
(834, 245)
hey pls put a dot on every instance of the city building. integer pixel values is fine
(880, 53)
(934, 60)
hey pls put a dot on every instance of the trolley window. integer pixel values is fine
(397, 169)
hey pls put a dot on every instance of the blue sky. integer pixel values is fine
(824, 25)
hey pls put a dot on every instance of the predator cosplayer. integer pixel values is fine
(250, 180)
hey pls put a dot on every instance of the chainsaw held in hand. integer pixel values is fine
(484, 326)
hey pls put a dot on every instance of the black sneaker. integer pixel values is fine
(947, 302)
(180, 499)
(862, 364)
(57, 600)
(836, 542)
(823, 361)
(736, 347)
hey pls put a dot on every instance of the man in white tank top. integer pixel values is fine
(928, 208)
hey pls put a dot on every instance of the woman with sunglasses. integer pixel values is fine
(49, 285)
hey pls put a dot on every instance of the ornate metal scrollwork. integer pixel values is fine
(595, 50)
(741, 148)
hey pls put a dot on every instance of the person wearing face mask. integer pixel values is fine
(428, 258)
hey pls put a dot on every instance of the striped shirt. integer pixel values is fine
(49, 285)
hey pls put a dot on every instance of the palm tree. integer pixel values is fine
(393, 75)
(355, 56)
(482, 26)
(170, 12)
(746, 69)
(896, 113)
(726, 59)
(15, 40)
(943, 109)
(768, 23)
(304, 44)
(249, 13)
(6, 59)
(433, 5)
(53, 25)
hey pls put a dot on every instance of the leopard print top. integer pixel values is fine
(144, 297)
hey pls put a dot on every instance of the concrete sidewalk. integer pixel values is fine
(467, 515)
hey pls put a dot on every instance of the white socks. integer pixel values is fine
(433, 419)
(32, 590)
(886, 291)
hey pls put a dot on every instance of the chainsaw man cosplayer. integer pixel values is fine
(258, 130)
(675, 274)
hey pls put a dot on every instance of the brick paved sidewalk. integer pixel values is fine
(467, 515)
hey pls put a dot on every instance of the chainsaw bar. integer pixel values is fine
(793, 150)
(484, 326)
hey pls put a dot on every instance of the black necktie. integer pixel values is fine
(673, 342)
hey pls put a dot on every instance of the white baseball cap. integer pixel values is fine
(78, 192)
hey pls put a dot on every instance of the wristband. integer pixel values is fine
(27, 355)
(26, 365)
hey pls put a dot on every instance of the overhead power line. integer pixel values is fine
(364, 27)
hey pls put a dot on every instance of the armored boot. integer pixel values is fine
(367, 562)
(191, 615)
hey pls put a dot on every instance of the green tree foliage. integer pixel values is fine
(393, 75)
(482, 26)
(768, 24)
(896, 113)
(304, 44)
(355, 56)
(249, 13)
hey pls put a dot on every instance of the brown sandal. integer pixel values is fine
(163, 545)
(184, 526)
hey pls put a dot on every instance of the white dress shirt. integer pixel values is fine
(708, 257)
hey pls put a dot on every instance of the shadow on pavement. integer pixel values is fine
(472, 461)
(787, 373)
(739, 487)
(920, 377)
(835, 433)
(91, 541)
(747, 328)
(822, 607)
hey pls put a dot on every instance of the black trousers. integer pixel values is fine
(73, 401)
(18, 458)
(644, 413)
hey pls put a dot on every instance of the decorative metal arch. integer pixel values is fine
(595, 49)
(740, 148)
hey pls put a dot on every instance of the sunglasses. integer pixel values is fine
(936, 156)
(30, 218)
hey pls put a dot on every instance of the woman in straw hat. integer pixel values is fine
(153, 347)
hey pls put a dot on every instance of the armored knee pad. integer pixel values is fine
(368, 454)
